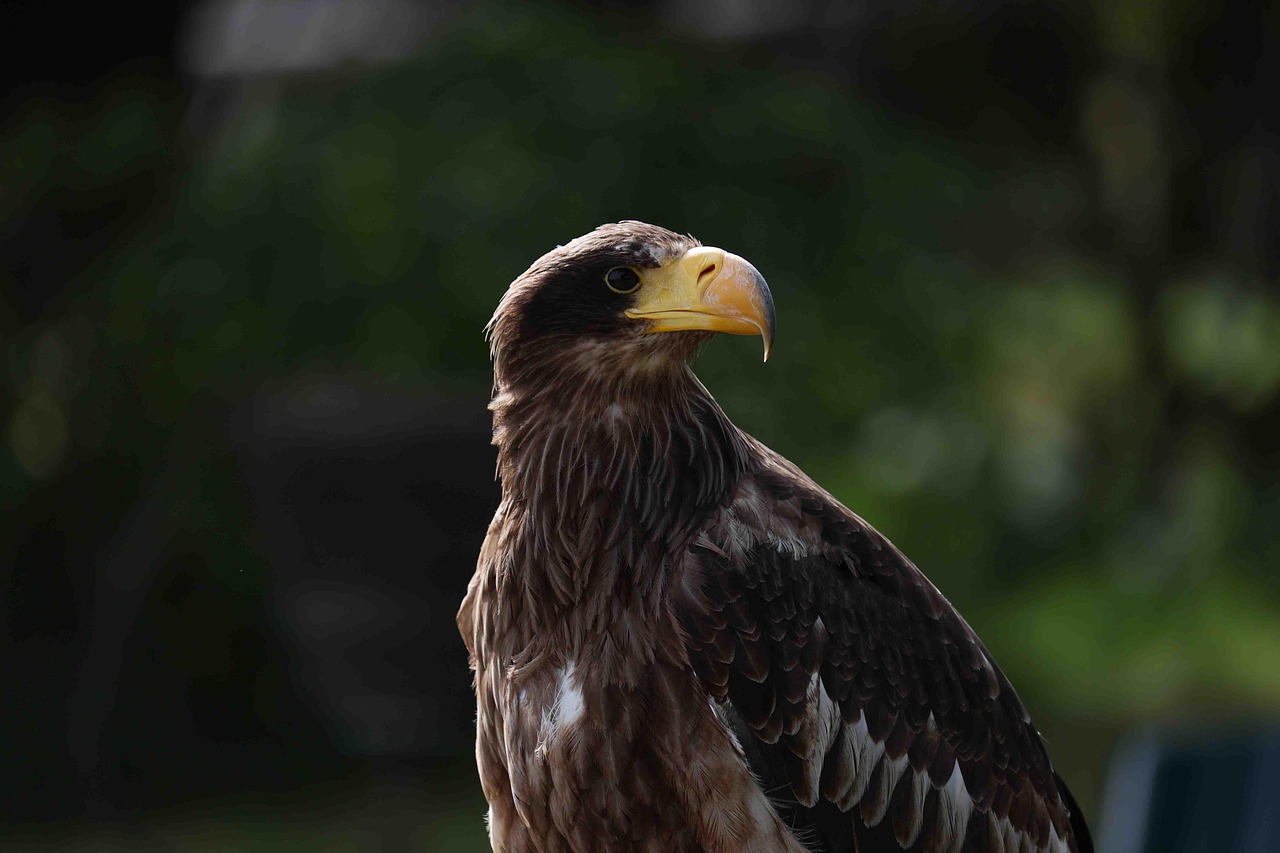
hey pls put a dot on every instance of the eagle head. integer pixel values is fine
(604, 302)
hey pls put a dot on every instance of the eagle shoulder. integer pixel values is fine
(863, 700)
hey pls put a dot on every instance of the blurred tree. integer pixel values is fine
(1027, 324)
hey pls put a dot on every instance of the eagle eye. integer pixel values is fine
(622, 280)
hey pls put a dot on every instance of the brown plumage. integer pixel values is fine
(680, 641)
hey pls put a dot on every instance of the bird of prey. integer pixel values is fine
(680, 641)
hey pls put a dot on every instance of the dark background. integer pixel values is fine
(1026, 262)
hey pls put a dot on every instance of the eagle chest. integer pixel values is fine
(591, 765)
(575, 755)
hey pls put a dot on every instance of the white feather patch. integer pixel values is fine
(915, 809)
(564, 711)
(818, 728)
(569, 698)
(865, 753)
(956, 806)
(890, 773)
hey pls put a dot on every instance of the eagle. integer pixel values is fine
(681, 642)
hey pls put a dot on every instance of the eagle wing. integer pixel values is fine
(870, 711)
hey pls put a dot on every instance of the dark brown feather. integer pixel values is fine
(901, 665)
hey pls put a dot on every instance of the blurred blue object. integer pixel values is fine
(1179, 792)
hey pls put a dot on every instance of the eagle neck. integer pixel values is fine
(606, 477)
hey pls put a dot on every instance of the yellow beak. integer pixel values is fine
(706, 289)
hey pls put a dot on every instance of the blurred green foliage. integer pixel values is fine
(950, 366)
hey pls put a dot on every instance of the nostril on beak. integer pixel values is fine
(708, 273)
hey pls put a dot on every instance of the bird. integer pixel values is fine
(681, 642)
